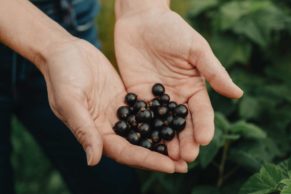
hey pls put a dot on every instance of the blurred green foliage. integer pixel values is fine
(252, 38)
(32, 171)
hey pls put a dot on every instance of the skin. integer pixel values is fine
(84, 90)
(84, 96)
(165, 49)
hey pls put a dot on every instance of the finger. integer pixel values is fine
(188, 146)
(123, 152)
(181, 166)
(173, 148)
(210, 67)
(83, 127)
(202, 117)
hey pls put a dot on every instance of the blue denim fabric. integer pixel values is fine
(23, 94)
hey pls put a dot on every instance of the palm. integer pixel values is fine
(86, 96)
(162, 47)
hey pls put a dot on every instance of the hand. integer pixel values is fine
(84, 92)
(157, 45)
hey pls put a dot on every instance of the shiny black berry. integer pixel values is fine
(155, 136)
(121, 128)
(123, 112)
(144, 129)
(144, 116)
(154, 104)
(161, 148)
(172, 105)
(139, 105)
(153, 114)
(158, 89)
(146, 143)
(165, 99)
(158, 124)
(169, 120)
(181, 111)
(134, 137)
(167, 133)
(162, 111)
(130, 99)
(131, 120)
(178, 123)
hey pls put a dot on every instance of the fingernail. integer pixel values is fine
(182, 168)
(89, 153)
(185, 169)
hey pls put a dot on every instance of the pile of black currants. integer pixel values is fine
(149, 123)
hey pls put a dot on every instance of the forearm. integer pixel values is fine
(128, 7)
(28, 31)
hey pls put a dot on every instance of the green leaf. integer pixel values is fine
(251, 154)
(248, 130)
(231, 137)
(221, 121)
(266, 181)
(269, 179)
(230, 50)
(193, 164)
(250, 29)
(199, 6)
(253, 19)
(286, 168)
(249, 107)
(245, 159)
(286, 186)
(205, 190)
(207, 153)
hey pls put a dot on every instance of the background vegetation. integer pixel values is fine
(252, 144)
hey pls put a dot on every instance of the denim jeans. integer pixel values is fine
(23, 94)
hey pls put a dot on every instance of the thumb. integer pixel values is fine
(210, 67)
(79, 120)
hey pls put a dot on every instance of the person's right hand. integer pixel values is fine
(84, 92)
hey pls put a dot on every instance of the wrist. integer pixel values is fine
(132, 7)
(45, 52)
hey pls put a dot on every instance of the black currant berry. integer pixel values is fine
(167, 133)
(140, 104)
(146, 143)
(130, 99)
(178, 124)
(161, 148)
(152, 114)
(158, 89)
(121, 128)
(155, 136)
(158, 124)
(181, 110)
(123, 112)
(131, 120)
(162, 111)
(144, 129)
(168, 121)
(172, 105)
(144, 116)
(134, 137)
(165, 99)
(154, 104)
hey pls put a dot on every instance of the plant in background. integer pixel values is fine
(252, 38)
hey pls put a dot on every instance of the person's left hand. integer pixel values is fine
(158, 46)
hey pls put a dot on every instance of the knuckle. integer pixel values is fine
(81, 135)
